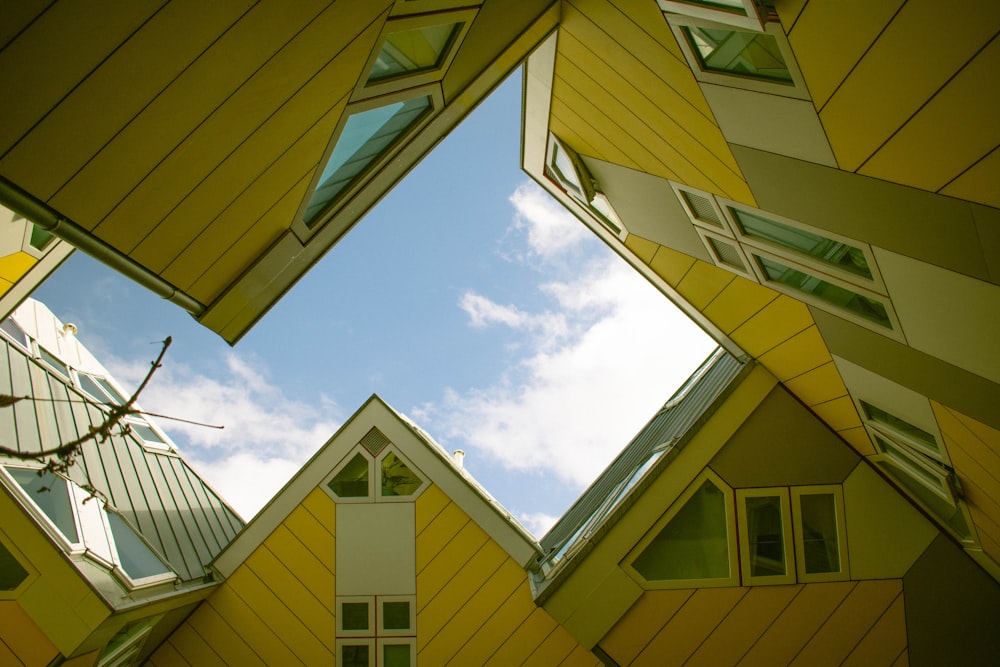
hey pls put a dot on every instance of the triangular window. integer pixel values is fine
(397, 477)
(352, 480)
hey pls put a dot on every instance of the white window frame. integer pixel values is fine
(357, 641)
(751, 20)
(721, 228)
(797, 89)
(407, 632)
(787, 538)
(370, 497)
(369, 600)
(901, 438)
(731, 538)
(402, 23)
(23, 341)
(26, 246)
(844, 573)
(377, 479)
(913, 463)
(707, 236)
(397, 641)
(590, 190)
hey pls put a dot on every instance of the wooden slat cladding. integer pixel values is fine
(828, 623)
(654, 118)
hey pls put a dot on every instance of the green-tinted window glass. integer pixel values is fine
(40, 238)
(866, 307)
(51, 494)
(354, 615)
(354, 655)
(396, 655)
(828, 251)
(89, 385)
(397, 478)
(111, 391)
(14, 331)
(764, 531)
(53, 360)
(906, 428)
(411, 51)
(145, 432)
(352, 480)
(694, 544)
(396, 615)
(820, 539)
(137, 559)
(12, 573)
(751, 54)
(366, 136)
(565, 169)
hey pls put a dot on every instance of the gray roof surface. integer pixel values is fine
(156, 491)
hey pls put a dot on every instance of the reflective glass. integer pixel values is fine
(866, 307)
(53, 361)
(111, 391)
(354, 655)
(366, 136)
(51, 494)
(40, 238)
(145, 432)
(396, 615)
(396, 655)
(352, 480)
(136, 558)
(694, 544)
(751, 54)
(411, 51)
(819, 533)
(828, 251)
(354, 615)
(397, 478)
(90, 385)
(880, 416)
(565, 170)
(767, 545)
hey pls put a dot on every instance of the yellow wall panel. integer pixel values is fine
(226, 642)
(478, 610)
(797, 623)
(7, 656)
(648, 16)
(950, 133)
(579, 133)
(167, 656)
(819, 385)
(799, 354)
(53, 54)
(774, 323)
(428, 506)
(741, 628)
(703, 282)
(564, 123)
(740, 300)
(309, 568)
(830, 36)
(13, 267)
(789, 11)
(852, 620)
(643, 248)
(177, 111)
(858, 438)
(840, 413)
(642, 622)
(439, 532)
(671, 265)
(581, 657)
(23, 637)
(18, 15)
(553, 649)
(689, 627)
(978, 183)
(257, 633)
(196, 649)
(903, 660)
(885, 641)
(528, 636)
(85, 120)
(323, 509)
(313, 534)
(215, 164)
(510, 614)
(440, 570)
(436, 609)
(915, 55)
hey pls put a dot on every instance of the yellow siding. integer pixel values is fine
(886, 640)
(978, 183)
(772, 325)
(671, 265)
(702, 283)
(278, 607)
(799, 354)
(13, 267)
(642, 622)
(738, 302)
(644, 249)
(21, 640)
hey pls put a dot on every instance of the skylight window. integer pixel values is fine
(740, 13)
(565, 167)
(411, 51)
(367, 136)
(50, 494)
(736, 52)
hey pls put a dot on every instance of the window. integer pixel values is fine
(101, 390)
(693, 545)
(566, 169)
(13, 572)
(81, 524)
(398, 479)
(376, 630)
(14, 331)
(914, 436)
(37, 241)
(758, 59)
(367, 136)
(765, 523)
(820, 533)
(53, 361)
(125, 646)
(740, 13)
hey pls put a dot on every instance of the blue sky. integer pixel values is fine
(467, 299)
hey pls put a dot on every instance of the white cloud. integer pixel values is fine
(550, 230)
(583, 389)
(267, 436)
(537, 523)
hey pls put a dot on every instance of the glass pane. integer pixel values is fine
(51, 494)
(396, 655)
(948, 513)
(111, 391)
(767, 545)
(602, 207)
(53, 361)
(565, 170)
(397, 478)
(145, 432)
(89, 385)
(352, 480)
(897, 424)
(137, 559)
(39, 237)
(355, 615)
(396, 615)
(366, 135)
(12, 329)
(750, 54)
(819, 533)
(354, 656)
(861, 305)
(834, 253)
(694, 544)
(918, 471)
(736, 6)
(413, 51)
(12, 573)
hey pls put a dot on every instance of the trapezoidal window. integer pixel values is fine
(398, 479)
(351, 481)
(694, 544)
(367, 136)
(740, 13)
(386, 478)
